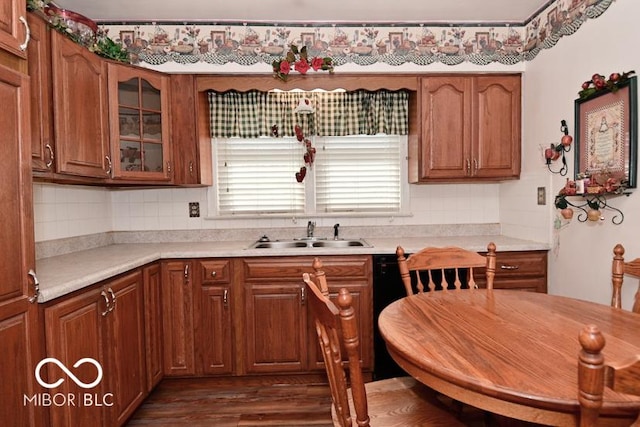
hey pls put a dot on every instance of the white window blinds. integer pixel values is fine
(359, 174)
(351, 174)
(256, 175)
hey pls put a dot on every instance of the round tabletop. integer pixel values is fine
(506, 351)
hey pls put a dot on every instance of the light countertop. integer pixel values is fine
(63, 274)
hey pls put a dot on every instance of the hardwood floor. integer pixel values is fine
(254, 402)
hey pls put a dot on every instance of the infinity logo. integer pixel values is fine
(68, 372)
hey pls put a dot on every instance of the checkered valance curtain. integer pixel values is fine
(253, 114)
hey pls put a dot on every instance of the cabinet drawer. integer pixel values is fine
(343, 267)
(518, 264)
(214, 271)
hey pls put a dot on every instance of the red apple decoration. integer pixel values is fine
(567, 213)
(593, 215)
(614, 77)
(566, 140)
(586, 85)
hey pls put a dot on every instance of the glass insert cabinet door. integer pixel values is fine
(139, 124)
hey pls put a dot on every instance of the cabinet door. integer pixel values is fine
(80, 109)
(153, 324)
(13, 27)
(75, 329)
(125, 345)
(183, 130)
(362, 304)
(39, 66)
(214, 346)
(139, 123)
(177, 318)
(497, 106)
(19, 324)
(446, 128)
(276, 327)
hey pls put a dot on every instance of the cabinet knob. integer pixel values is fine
(113, 300)
(213, 274)
(225, 298)
(109, 164)
(106, 302)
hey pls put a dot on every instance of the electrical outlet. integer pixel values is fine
(194, 209)
(542, 195)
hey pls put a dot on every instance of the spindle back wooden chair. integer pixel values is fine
(594, 375)
(619, 269)
(390, 402)
(442, 267)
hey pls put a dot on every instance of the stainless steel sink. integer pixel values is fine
(310, 243)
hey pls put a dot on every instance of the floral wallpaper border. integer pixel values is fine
(253, 43)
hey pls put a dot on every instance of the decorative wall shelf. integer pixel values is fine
(591, 206)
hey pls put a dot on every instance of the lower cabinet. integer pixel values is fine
(177, 318)
(246, 316)
(279, 335)
(103, 324)
(525, 270)
(153, 324)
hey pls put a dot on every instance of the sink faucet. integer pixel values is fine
(336, 231)
(311, 226)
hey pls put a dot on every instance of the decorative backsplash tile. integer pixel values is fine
(362, 44)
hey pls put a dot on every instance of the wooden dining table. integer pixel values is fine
(512, 353)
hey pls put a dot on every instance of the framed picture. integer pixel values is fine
(127, 38)
(218, 38)
(482, 40)
(606, 134)
(308, 39)
(396, 40)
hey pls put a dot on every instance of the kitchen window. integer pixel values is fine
(256, 154)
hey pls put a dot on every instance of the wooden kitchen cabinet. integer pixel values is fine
(104, 323)
(39, 68)
(183, 130)
(139, 123)
(279, 337)
(80, 110)
(153, 324)
(20, 327)
(213, 316)
(13, 28)
(470, 129)
(177, 318)
(525, 270)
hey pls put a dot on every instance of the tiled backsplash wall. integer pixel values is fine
(68, 211)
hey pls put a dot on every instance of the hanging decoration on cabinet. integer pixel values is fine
(555, 151)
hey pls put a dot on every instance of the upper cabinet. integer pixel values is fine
(139, 123)
(14, 32)
(469, 129)
(39, 68)
(80, 110)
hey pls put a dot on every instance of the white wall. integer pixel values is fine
(580, 261)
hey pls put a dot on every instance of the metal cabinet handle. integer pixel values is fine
(36, 286)
(109, 164)
(468, 172)
(303, 294)
(225, 298)
(168, 167)
(107, 309)
(191, 168)
(113, 300)
(27, 36)
(509, 267)
(51, 156)
(475, 167)
(186, 273)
